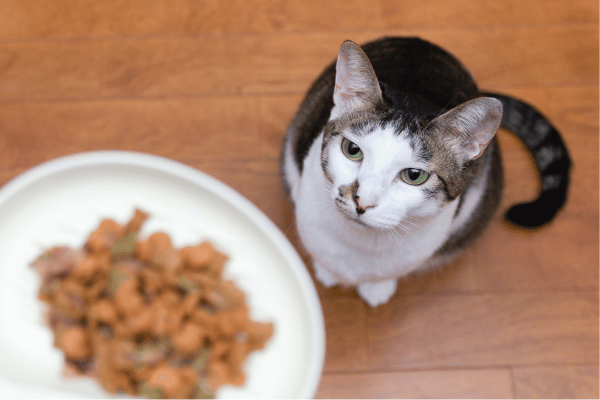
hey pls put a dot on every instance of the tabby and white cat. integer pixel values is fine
(393, 167)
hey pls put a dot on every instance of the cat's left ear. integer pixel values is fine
(356, 85)
(473, 123)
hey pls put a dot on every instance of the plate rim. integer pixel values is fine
(221, 190)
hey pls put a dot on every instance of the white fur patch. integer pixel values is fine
(292, 174)
(324, 276)
(377, 293)
(389, 200)
(405, 237)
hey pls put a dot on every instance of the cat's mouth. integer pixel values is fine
(351, 214)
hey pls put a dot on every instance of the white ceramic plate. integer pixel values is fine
(62, 201)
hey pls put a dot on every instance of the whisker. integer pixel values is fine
(389, 234)
(407, 231)
(394, 236)
(410, 222)
(293, 223)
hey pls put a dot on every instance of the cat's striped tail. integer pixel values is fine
(551, 159)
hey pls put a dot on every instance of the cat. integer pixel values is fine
(392, 164)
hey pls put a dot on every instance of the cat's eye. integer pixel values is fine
(414, 176)
(351, 150)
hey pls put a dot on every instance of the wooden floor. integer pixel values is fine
(213, 84)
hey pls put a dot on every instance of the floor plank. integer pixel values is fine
(389, 13)
(276, 112)
(186, 129)
(64, 18)
(347, 338)
(289, 62)
(566, 382)
(447, 384)
(50, 69)
(285, 63)
(575, 112)
(485, 330)
(528, 260)
(74, 18)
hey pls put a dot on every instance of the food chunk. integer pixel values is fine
(145, 318)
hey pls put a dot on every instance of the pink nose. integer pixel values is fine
(361, 208)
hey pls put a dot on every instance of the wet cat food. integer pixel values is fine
(145, 318)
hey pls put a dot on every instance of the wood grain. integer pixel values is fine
(58, 18)
(64, 18)
(46, 70)
(527, 263)
(347, 338)
(214, 84)
(183, 129)
(438, 13)
(276, 112)
(289, 62)
(497, 330)
(464, 384)
(566, 382)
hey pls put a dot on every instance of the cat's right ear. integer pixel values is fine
(356, 85)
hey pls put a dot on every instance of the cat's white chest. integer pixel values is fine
(351, 253)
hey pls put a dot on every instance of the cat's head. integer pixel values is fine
(389, 165)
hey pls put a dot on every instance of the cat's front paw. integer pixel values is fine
(377, 293)
(324, 276)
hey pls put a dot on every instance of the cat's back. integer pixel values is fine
(415, 66)
(404, 66)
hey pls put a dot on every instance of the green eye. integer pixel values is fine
(414, 176)
(351, 150)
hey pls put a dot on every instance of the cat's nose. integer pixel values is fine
(361, 208)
